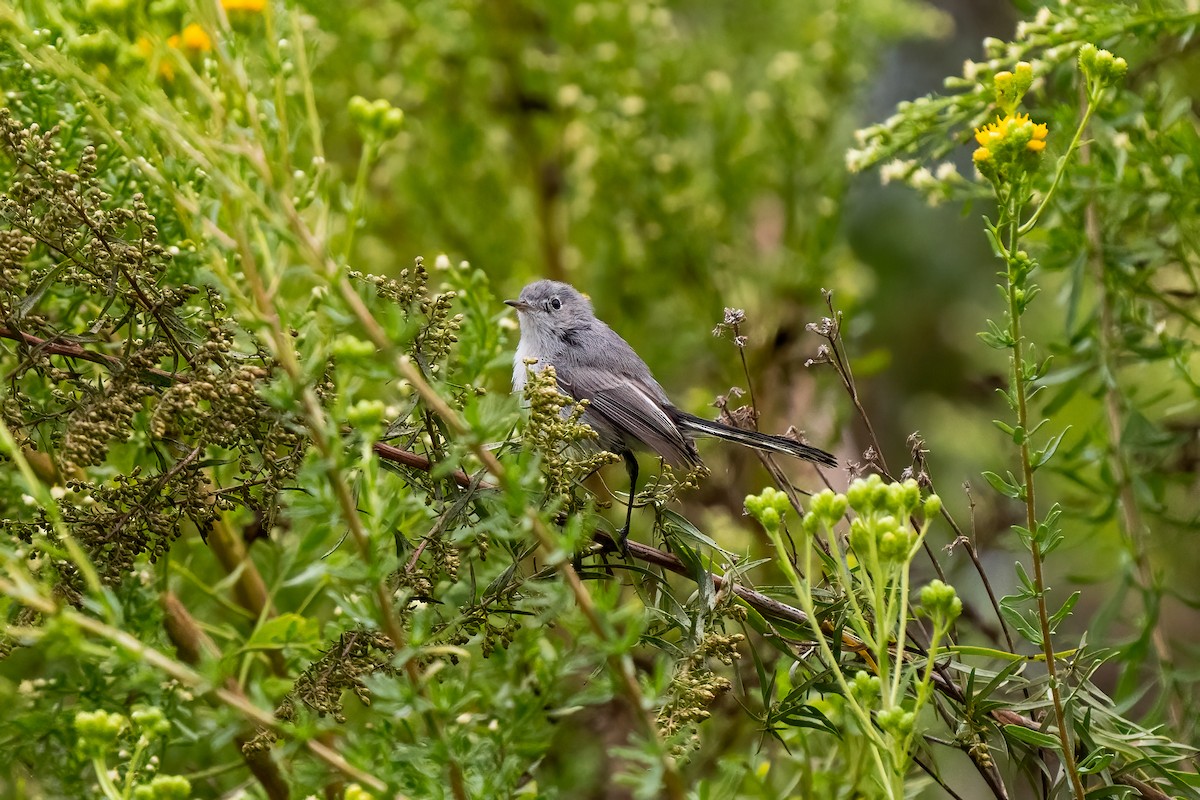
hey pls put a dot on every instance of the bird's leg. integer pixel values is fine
(631, 466)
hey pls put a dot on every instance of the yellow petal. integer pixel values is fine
(194, 38)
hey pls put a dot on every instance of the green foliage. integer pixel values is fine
(272, 522)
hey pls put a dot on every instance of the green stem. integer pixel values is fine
(365, 161)
(1015, 281)
(863, 716)
(857, 618)
(1093, 97)
(106, 785)
(133, 768)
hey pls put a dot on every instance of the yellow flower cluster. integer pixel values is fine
(1019, 129)
(1009, 147)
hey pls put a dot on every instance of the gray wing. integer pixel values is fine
(628, 411)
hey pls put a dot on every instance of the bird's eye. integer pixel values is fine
(555, 303)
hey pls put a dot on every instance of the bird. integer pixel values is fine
(626, 406)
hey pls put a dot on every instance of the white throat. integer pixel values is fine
(520, 368)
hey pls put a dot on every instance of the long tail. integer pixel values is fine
(759, 441)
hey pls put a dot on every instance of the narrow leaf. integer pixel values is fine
(1036, 738)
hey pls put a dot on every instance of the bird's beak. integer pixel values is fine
(517, 304)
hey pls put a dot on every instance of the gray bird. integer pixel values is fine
(626, 407)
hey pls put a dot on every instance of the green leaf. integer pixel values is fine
(979, 702)
(993, 237)
(806, 716)
(677, 523)
(286, 630)
(1004, 426)
(1096, 761)
(1030, 591)
(1061, 614)
(1036, 738)
(996, 337)
(1040, 457)
(1002, 486)
(39, 291)
(702, 575)
(1029, 628)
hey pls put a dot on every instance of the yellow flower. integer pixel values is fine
(994, 132)
(1037, 143)
(192, 38)
(252, 6)
(981, 155)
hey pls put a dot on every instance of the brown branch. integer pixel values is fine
(68, 350)
(417, 461)
(192, 645)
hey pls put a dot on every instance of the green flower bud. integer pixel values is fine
(893, 546)
(769, 518)
(150, 720)
(857, 494)
(389, 124)
(863, 493)
(102, 46)
(378, 109)
(1087, 59)
(941, 600)
(352, 348)
(896, 721)
(1119, 68)
(1024, 76)
(860, 536)
(866, 689)
(837, 508)
(780, 501)
(1100, 67)
(107, 9)
(356, 792)
(820, 503)
(169, 787)
(98, 731)
(366, 413)
(1007, 95)
(766, 507)
(932, 507)
(879, 496)
(359, 108)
